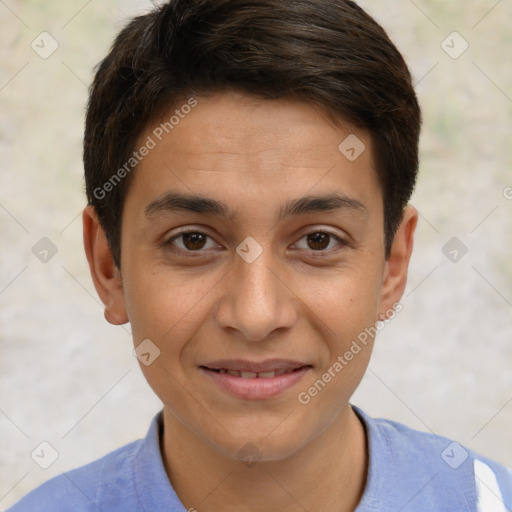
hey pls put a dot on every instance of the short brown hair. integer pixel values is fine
(327, 52)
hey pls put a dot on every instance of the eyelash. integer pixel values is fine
(201, 252)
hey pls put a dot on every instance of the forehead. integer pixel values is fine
(243, 148)
(244, 123)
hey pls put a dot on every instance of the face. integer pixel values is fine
(252, 246)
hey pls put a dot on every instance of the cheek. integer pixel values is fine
(164, 305)
(166, 310)
(348, 311)
(347, 301)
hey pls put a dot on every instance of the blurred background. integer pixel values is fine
(444, 364)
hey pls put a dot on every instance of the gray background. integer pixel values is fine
(443, 365)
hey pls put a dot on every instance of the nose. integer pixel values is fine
(256, 300)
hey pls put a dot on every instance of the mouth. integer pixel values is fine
(255, 381)
(255, 375)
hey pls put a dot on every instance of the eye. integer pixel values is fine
(320, 241)
(192, 241)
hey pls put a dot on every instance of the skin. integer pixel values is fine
(255, 155)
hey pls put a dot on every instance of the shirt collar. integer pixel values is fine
(154, 490)
(394, 471)
(406, 471)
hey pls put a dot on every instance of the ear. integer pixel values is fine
(105, 274)
(397, 265)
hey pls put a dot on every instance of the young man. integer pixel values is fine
(248, 166)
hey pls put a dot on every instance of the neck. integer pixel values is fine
(326, 475)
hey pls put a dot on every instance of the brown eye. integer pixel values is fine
(192, 241)
(318, 241)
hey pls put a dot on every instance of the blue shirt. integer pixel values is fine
(408, 471)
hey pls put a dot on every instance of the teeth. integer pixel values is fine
(248, 375)
(254, 375)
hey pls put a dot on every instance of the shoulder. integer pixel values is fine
(83, 489)
(436, 467)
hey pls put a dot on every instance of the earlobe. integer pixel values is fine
(397, 265)
(104, 272)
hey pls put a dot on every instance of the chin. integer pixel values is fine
(261, 445)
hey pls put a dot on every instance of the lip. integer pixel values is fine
(256, 388)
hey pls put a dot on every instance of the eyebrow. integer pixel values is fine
(175, 201)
